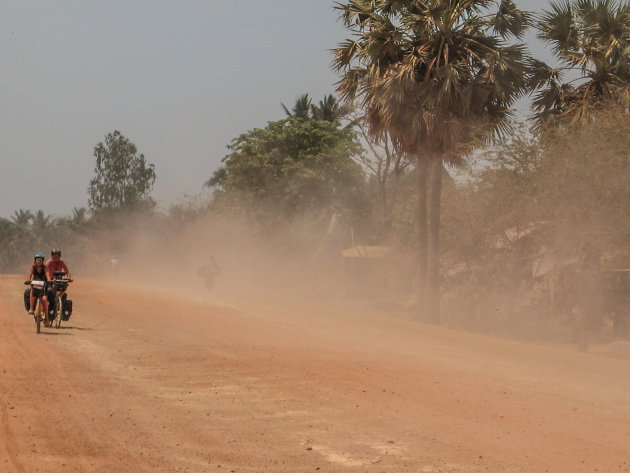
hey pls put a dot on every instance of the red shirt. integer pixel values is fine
(53, 266)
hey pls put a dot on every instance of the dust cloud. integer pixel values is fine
(315, 261)
(302, 261)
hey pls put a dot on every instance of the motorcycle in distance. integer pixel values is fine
(58, 287)
(209, 272)
(40, 289)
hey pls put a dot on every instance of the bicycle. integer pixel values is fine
(58, 287)
(39, 289)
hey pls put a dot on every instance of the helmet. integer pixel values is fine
(55, 251)
(38, 255)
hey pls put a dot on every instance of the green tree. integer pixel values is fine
(434, 75)
(591, 40)
(123, 178)
(292, 166)
(384, 162)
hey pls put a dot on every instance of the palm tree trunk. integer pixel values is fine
(422, 169)
(433, 260)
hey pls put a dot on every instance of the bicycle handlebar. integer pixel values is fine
(46, 283)
(36, 282)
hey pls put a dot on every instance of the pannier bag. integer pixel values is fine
(27, 293)
(66, 305)
(27, 298)
(67, 309)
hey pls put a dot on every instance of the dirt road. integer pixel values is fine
(135, 383)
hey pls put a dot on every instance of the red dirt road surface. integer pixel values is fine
(137, 382)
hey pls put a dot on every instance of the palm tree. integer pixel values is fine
(79, 217)
(21, 239)
(22, 218)
(433, 74)
(78, 221)
(330, 110)
(591, 40)
(41, 227)
(301, 109)
(41, 222)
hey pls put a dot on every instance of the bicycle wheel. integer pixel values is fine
(58, 311)
(38, 314)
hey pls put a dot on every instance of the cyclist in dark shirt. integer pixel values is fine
(38, 272)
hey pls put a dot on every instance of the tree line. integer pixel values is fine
(122, 185)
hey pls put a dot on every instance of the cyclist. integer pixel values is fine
(55, 263)
(38, 272)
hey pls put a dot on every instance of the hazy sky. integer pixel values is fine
(178, 78)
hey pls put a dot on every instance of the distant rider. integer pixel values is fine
(38, 272)
(114, 263)
(208, 272)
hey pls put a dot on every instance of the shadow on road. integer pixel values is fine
(59, 331)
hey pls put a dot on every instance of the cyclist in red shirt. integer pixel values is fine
(55, 263)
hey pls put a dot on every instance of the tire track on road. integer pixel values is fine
(8, 437)
(9, 442)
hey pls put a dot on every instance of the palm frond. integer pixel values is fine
(592, 38)
(509, 20)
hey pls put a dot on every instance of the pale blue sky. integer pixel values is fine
(178, 78)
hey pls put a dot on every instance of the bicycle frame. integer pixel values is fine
(40, 287)
(59, 285)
